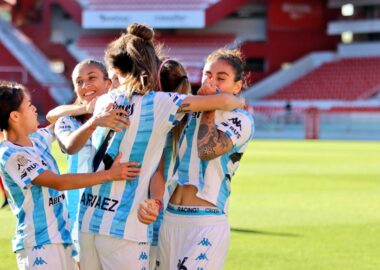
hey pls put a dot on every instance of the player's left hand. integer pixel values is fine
(148, 211)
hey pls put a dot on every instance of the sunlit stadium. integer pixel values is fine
(307, 192)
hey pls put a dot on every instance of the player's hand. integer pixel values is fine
(90, 106)
(115, 119)
(124, 171)
(148, 211)
(208, 88)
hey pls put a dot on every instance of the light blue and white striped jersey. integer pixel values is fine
(213, 178)
(80, 162)
(111, 208)
(41, 212)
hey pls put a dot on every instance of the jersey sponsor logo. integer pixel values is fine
(104, 203)
(202, 257)
(212, 210)
(55, 200)
(143, 256)
(64, 126)
(205, 242)
(39, 261)
(181, 264)
(129, 108)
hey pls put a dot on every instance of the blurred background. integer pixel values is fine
(314, 74)
(313, 63)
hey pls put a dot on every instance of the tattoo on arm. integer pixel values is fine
(211, 142)
(184, 108)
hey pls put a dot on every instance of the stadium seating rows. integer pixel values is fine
(345, 79)
(191, 50)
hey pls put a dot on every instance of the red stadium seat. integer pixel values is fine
(345, 79)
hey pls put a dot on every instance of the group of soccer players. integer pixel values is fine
(149, 164)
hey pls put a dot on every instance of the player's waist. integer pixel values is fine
(194, 210)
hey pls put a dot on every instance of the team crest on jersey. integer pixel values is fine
(22, 161)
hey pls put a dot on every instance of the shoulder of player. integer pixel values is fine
(8, 149)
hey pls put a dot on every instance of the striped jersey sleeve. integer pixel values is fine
(22, 168)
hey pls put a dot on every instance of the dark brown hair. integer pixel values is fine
(11, 96)
(173, 78)
(235, 59)
(136, 57)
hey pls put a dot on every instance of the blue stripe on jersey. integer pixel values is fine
(18, 200)
(39, 217)
(73, 163)
(140, 144)
(224, 192)
(97, 216)
(183, 169)
(58, 212)
(83, 207)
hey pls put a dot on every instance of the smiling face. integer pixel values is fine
(89, 82)
(222, 75)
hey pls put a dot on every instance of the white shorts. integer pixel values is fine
(50, 256)
(193, 238)
(109, 253)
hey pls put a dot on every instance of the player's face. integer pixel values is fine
(28, 114)
(222, 75)
(89, 82)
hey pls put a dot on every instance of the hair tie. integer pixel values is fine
(159, 73)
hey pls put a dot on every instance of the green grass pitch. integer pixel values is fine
(295, 205)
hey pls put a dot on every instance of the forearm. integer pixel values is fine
(211, 142)
(210, 103)
(69, 110)
(77, 139)
(72, 181)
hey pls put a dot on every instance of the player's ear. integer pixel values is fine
(14, 117)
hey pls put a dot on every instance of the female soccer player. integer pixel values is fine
(112, 237)
(195, 231)
(75, 124)
(33, 183)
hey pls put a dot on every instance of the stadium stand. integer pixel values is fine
(190, 49)
(346, 79)
(147, 4)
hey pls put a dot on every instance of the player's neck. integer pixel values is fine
(18, 138)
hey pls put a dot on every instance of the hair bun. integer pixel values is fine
(141, 31)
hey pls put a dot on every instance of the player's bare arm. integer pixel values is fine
(212, 142)
(222, 101)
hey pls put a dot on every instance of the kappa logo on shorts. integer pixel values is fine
(204, 242)
(143, 256)
(202, 257)
(39, 261)
(38, 247)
